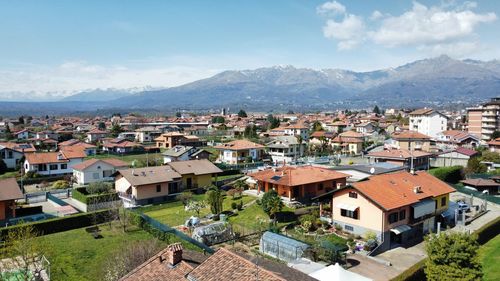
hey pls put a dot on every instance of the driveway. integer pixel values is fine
(370, 268)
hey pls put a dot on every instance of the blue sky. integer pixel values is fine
(64, 46)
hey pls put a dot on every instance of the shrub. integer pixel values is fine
(307, 222)
(240, 205)
(234, 205)
(60, 184)
(338, 227)
(99, 187)
(448, 174)
(3, 167)
(370, 235)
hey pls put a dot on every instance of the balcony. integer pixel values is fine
(489, 125)
(489, 114)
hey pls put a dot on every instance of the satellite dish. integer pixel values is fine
(372, 170)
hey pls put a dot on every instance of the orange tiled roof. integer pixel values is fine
(293, 176)
(45, 157)
(19, 147)
(409, 135)
(239, 145)
(396, 190)
(352, 134)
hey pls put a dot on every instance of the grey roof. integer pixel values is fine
(150, 175)
(282, 141)
(9, 189)
(177, 150)
(197, 167)
(378, 168)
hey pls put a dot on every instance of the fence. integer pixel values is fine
(487, 197)
(167, 229)
(42, 196)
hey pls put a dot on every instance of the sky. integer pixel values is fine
(50, 49)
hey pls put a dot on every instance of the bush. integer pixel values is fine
(3, 167)
(370, 235)
(99, 187)
(307, 222)
(81, 195)
(60, 184)
(448, 174)
(240, 205)
(234, 205)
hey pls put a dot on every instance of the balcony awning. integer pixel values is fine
(423, 208)
(400, 229)
(348, 207)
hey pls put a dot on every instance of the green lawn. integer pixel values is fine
(220, 178)
(489, 254)
(76, 255)
(6, 175)
(173, 213)
(130, 158)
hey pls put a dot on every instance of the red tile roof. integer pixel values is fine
(398, 154)
(239, 145)
(10, 190)
(390, 191)
(409, 135)
(293, 176)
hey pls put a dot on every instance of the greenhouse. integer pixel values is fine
(213, 233)
(282, 247)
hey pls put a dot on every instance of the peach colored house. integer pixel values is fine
(299, 183)
(399, 207)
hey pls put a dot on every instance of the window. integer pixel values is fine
(42, 167)
(348, 227)
(158, 188)
(393, 217)
(320, 187)
(95, 176)
(443, 201)
(107, 173)
(353, 194)
(402, 215)
(10, 154)
(349, 214)
(64, 166)
(53, 167)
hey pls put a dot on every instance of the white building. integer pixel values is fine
(96, 170)
(53, 163)
(428, 122)
(239, 151)
(285, 149)
(11, 153)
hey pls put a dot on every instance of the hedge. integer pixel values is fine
(63, 224)
(448, 174)
(80, 195)
(484, 234)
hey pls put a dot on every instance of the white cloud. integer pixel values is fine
(456, 49)
(448, 28)
(423, 25)
(331, 8)
(348, 31)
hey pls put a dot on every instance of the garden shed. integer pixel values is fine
(213, 233)
(282, 247)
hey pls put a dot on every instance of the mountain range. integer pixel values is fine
(430, 82)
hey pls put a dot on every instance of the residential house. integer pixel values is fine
(428, 121)
(88, 148)
(456, 157)
(417, 160)
(451, 139)
(299, 183)
(320, 138)
(53, 163)
(176, 263)
(398, 207)
(285, 149)
(22, 135)
(121, 146)
(147, 134)
(184, 153)
(411, 140)
(239, 151)
(494, 145)
(11, 153)
(97, 170)
(147, 185)
(489, 186)
(171, 139)
(195, 173)
(359, 172)
(95, 135)
(366, 128)
(349, 142)
(9, 193)
(44, 135)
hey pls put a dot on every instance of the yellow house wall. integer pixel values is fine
(149, 191)
(200, 180)
(370, 216)
(441, 208)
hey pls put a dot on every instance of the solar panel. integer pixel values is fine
(276, 178)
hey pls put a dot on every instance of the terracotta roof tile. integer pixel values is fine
(239, 145)
(409, 135)
(292, 176)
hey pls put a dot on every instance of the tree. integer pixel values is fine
(21, 120)
(250, 131)
(101, 126)
(474, 166)
(242, 113)
(495, 135)
(273, 122)
(129, 256)
(26, 252)
(196, 206)
(452, 256)
(185, 197)
(8, 132)
(218, 119)
(489, 156)
(271, 203)
(317, 126)
(376, 110)
(178, 114)
(116, 130)
(214, 198)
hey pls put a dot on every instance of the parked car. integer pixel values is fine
(463, 207)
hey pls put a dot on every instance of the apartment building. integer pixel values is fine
(428, 122)
(484, 120)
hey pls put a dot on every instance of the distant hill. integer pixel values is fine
(430, 82)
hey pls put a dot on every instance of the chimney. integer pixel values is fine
(174, 254)
(417, 189)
